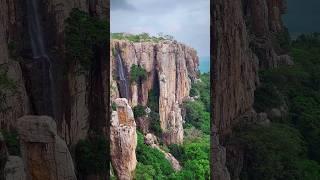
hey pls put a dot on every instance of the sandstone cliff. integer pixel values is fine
(169, 65)
(244, 40)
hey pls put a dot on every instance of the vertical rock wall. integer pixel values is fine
(170, 64)
(244, 40)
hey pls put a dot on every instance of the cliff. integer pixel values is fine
(47, 82)
(244, 41)
(123, 138)
(170, 68)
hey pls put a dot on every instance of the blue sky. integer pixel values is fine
(187, 20)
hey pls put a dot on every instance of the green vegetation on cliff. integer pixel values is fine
(91, 156)
(137, 74)
(143, 37)
(193, 154)
(83, 34)
(289, 150)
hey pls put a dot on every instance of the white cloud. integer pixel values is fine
(187, 20)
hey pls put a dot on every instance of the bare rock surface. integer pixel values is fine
(45, 154)
(123, 140)
(244, 41)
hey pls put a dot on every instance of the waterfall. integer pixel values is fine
(124, 91)
(39, 53)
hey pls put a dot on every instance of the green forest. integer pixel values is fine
(287, 148)
(193, 154)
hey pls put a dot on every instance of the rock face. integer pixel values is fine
(123, 139)
(14, 169)
(45, 154)
(76, 95)
(170, 67)
(72, 90)
(244, 40)
(218, 153)
(16, 102)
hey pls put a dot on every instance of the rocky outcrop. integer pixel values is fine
(152, 141)
(45, 154)
(123, 140)
(244, 40)
(169, 65)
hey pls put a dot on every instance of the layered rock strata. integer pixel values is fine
(45, 154)
(123, 140)
(171, 66)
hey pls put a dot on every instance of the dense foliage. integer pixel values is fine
(12, 142)
(289, 150)
(91, 156)
(143, 37)
(193, 154)
(152, 163)
(202, 88)
(198, 111)
(137, 74)
(139, 111)
(83, 34)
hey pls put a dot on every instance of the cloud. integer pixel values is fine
(121, 5)
(187, 20)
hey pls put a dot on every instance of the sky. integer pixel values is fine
(187, 20)
(303, 16)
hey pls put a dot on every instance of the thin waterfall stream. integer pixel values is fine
(124, 91)
(39, 53)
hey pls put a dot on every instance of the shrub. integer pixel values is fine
(155, 123)
(197, 116)
(83, 34)
(268, 156)
(194, 92)
(12, 142)
(176, 150)
(266, 97)
(113, 106)
(149, 156)
(91, 155)
(137, 74)
(139, 111)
